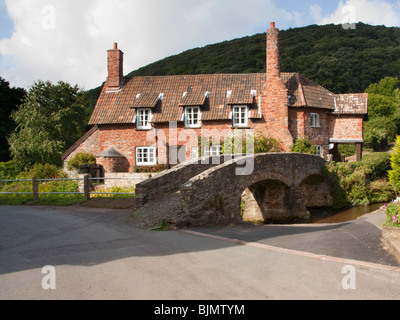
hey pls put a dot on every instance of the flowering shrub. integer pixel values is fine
(392, 211)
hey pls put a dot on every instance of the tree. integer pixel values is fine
(394, 174)
(50, 120)
(383, 113)
(10, 98)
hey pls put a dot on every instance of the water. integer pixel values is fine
(341, 215)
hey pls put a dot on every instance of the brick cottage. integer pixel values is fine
(139, 121)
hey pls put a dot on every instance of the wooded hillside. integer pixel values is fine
(341, 60)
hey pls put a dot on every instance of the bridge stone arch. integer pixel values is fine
(277, 185)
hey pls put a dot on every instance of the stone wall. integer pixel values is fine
(170, 181)
(121, 180)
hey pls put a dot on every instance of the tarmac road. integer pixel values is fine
(100, 254)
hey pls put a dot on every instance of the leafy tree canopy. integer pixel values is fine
(51, 118)
(383, 113)
(10, 98)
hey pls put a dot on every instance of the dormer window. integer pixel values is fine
(143, 119)
(240, 116)
(192, 117)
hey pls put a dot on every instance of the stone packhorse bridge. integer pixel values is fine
(271, 187)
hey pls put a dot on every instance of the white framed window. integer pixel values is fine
(146, 156)
(192, 117)
(212, 151)
(315, 120)
(318, 150)
(240, 116)
(143, 119)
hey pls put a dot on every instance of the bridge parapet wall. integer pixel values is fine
(171, 180)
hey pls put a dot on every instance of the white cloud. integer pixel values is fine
(375, 12)
(316, 12)
(68, 40)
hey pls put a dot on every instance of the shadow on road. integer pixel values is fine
(32, 237)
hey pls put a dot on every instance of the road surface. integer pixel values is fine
(100, 254)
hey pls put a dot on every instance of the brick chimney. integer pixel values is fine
(273, 64)
(275, 94)
(115, 68)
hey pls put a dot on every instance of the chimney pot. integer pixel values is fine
(272, 25)
(115, 46)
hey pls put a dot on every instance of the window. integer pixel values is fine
(315, 120)
(212, 151)
(240, 116)
(194, 153)
(192, 117)
(145, 156)
(144, 117)
(318, 150)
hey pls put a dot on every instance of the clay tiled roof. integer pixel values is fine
(353, 103)
(241, 96)
(305, 93)
(214, 93)
(193, 98)
(146, 100)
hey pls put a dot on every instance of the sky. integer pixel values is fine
(67, 40)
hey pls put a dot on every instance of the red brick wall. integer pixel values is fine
(125, 138)
(300, 126)
(114, 165)
(90, 145)
(346, 127)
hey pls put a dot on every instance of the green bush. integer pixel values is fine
(42, 171)
(394, 174)
(380, 191)
(302, 145)
(378, 165)
(79, 159)
(261, 144)
(360, 183)
(8, 170)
